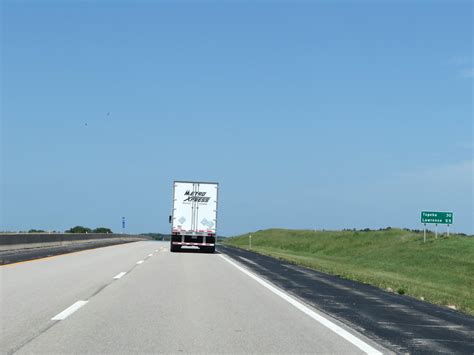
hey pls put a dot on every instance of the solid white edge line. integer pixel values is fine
(118, 276)
(139, 262)
(324, 321)
(70, 310)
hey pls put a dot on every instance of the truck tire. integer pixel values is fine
(174, 248)
(210, 249)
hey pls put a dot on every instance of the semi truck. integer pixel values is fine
(193, 217)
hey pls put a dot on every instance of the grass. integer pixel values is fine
(440, 271)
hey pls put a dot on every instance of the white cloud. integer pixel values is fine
(467, 73)
(455, 170)
(469, 145)
(464, 66)
(460, 60)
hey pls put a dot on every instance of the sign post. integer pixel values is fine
(123, 225)
(250, 241)
(436, 218)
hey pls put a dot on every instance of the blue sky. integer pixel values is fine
(309, 115)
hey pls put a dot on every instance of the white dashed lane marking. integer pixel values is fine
(118, 276)
(70, 310)
(73, 308)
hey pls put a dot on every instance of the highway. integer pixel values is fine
(402, 323)
(140, 298)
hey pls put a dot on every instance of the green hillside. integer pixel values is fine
(440, 271)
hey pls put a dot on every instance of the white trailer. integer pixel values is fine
(194, 215)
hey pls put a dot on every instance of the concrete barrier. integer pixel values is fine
(21, 247)
(20, 241)
(23, 238)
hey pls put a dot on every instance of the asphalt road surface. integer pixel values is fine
(401, 323)
(15, 256)
(139, 297)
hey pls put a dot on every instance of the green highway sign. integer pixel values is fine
(437, 217)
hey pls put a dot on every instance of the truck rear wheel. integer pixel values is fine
(174, 248)
(210, 249)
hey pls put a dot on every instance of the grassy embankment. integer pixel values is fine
(440, 271)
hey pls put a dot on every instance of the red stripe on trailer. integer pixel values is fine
(194, 244)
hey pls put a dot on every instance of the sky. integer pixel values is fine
(310, 115)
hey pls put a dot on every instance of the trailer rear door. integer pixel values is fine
(194, 207)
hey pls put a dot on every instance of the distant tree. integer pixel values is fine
(102, 230)
(79, 229)
(36, 231)
(157, 236)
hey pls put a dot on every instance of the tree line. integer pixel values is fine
(81, 229)
(76, 229)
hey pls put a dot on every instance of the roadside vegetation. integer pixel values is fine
(76, 229)
(83, 230)
(440, 271)
(157, 236)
